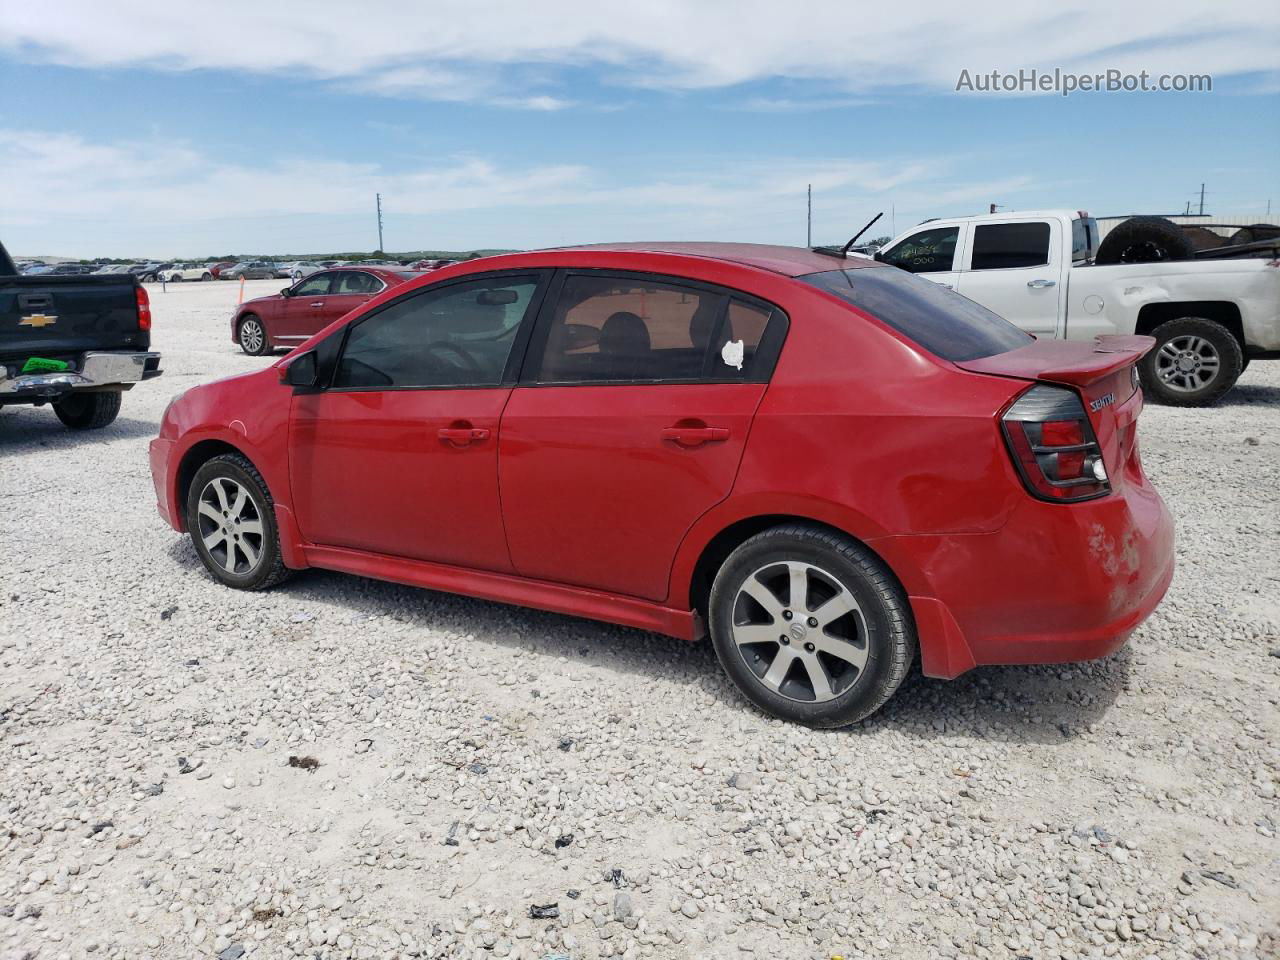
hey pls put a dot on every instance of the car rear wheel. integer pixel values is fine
(252, 336)
(88, 411)
(1195, 361)
(231, 519)
(206, 275)
(811, 626)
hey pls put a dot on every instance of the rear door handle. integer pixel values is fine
(1041, 284)
(695, 436)
(463, 436)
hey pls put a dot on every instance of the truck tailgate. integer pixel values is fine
(57, 316)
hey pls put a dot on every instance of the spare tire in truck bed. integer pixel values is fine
(1145, 240)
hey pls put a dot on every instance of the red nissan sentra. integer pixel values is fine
(829, 465)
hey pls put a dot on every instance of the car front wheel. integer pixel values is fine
(811, 626)
(231, 519)
(253, 336)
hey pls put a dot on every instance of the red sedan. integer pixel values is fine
(830, 465)
(294, 314)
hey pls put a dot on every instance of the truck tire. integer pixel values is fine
(1195, 361)
(1145, 240)
(1255, 232)
(88, 411)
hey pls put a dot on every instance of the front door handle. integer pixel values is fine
(463, 436)
(1041, 284)
(695, 436)
(318, 304)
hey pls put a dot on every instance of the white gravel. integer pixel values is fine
(476, 761)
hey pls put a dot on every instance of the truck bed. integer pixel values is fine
(59, 317)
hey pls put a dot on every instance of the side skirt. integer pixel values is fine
(503, 588)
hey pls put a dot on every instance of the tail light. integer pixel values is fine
(144, 308)
(1054, 447)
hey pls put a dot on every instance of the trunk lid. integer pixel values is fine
(1101, 371)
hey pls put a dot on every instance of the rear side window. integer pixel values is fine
(351, 281)
(943, 322)
(1084, 237)
(620, 329)
(1004, 246)
(929, 251)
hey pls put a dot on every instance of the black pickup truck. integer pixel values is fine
(75, 342)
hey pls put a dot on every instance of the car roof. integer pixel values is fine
(788, 261)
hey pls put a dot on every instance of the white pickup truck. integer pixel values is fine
(1210, 316)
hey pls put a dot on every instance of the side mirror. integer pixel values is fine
(878, 256)
(302, 372)
(286, 292)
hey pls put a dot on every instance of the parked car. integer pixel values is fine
(150, 272)
(70, 270)
(287, 318)
(217, 268)
(283, 271)
(829, 464)
(114, 268)
(186, 271)
(73, 341)
(1035, 269)
(249, 270)
(305, 268)
(425, 265)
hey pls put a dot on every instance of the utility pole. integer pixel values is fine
(379, 196)
(1202, 199)
(808, 230)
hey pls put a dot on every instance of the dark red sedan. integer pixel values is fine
(830, 465)
(294, 314)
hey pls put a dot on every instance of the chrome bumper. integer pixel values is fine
(96, 370)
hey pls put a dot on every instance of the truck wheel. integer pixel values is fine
(811, 626)
(1195, 361)
(1145, 240)
(88, 411)
(252, 336)
(232, 522)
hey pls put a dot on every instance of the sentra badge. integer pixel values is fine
(1106, 400)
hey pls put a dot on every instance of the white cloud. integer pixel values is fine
(157, 197)
(513, 54)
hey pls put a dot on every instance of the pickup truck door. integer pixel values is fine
(1014, 269)
(931, 252)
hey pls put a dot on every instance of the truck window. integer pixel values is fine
(1005, 246)
(928, 251)
(1084, 239)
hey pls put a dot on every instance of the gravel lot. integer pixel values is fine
(476, 761)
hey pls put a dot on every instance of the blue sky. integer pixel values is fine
(137, 132)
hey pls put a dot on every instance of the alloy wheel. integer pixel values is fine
(231, 527)
(251, 336)
(800, 631)
(1187, 363)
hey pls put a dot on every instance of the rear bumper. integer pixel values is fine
(1059, 583)
(98, 370)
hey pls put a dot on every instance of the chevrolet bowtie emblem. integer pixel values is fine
(37, 320)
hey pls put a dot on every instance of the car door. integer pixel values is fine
(398, 455)
(1013, 269)
(931, 251)
(628, 424)
(301, 315)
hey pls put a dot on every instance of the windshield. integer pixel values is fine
(943, 322)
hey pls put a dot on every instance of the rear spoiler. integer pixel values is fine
(1074, 363)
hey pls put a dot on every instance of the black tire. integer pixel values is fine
(206, 275)
(255, 346)
(1145, 240)
(268, 568)
(88, 411)
(1254, 233)
(884, 630)
(1176, 340)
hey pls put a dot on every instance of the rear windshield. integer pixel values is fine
(944, 323)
